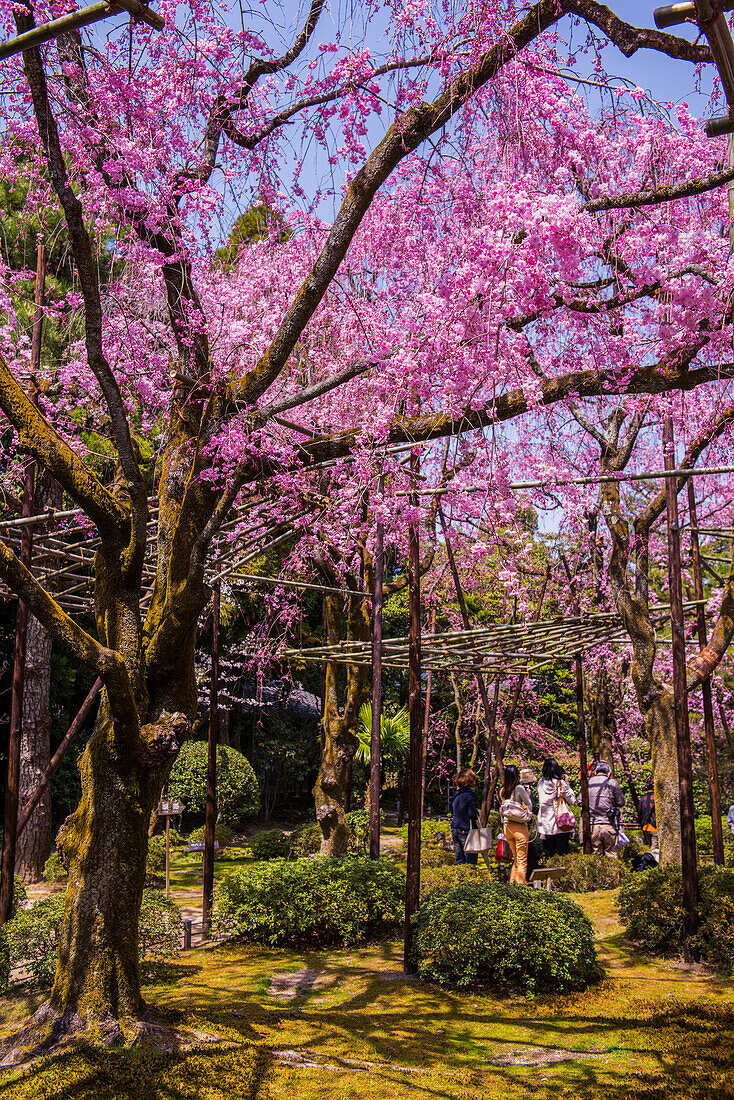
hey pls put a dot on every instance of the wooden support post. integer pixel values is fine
(683, 743)
(415, 754)
(168, 855)
(491, 739)
(58, 756)
(375, 738)
(583, 760)
(708, 705)
(427, 719)
(10, 824)
(211, 769)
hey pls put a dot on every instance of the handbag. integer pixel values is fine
(503, 852)
(565, 820)
(478, 840)
(515, 812)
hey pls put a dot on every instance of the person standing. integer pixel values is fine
(551, 785)
(647, 818)
(516, 810)
(605, 802)
(464, 815)
(730, 819)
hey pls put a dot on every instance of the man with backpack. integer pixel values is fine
(605, 802)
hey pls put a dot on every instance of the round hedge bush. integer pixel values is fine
(321, 900)
(238, 795)
(270, 844)
(651, 909)
(495, 934)
(583, 874)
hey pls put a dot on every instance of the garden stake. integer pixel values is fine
(211, 770)
(375, 745)
(415, 754)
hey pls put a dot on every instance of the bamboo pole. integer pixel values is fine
(415, 754)
(427, 716)
(683, 746)
(583, 759)
(58, 756)
(708, 707)
(211, 770)
(75, 21)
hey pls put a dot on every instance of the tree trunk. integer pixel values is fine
(660, 723)
(104, 844)
(34, 844)
(602, 721)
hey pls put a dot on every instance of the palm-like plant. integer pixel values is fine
(394, 734)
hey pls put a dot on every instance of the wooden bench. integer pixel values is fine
(545, 874)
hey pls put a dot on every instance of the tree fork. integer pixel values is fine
(683, 745)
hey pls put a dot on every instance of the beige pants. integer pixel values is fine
(604, 841)
(516, 833)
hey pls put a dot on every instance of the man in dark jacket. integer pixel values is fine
(464, 815)
(605, 802)
(647, 818)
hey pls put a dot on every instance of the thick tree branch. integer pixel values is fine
(42, 441)
(636, 199)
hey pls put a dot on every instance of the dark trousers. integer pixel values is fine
(459, 839)
(557, 844)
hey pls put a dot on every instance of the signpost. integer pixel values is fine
(169, 809)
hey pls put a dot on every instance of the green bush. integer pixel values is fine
(32, 936)
(20, 897)
(53, 868)
(160, 925)
(272, 844)
(429, 828)
(584, 874)
(310, 901)
(705, 839)
(437, 857)
(238, 795)
(651, 909)
(304, 841)
(441, 877)
(155, 863)
(222, 833)
(493, 933)
(359, 830)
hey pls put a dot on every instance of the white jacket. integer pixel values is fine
(546, 793)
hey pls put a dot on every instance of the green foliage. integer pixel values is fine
(160, 925)
(272, 844)
(359, 830)
(394, 735)
(705, 839)
(53, 868)
(493, 933)
(311, 901)
(584, 874)
(651, 909)
(20, 896)
(155, 863)
(256, 224)
(429, 828)
(453, 874)
(436, 857)
(238, 795)
(304, 841)
(32, 937)
(222, 833)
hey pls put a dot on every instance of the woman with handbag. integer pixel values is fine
(516, 811)
(464, 815)
(555, 820)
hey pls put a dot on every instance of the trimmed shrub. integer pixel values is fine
(359, 829)
(238, 795)
(429, 829)
(584, 874)
(310, 901)
(441, 877)
(496, 934)
(304, 841)
(155, 863)
(222, 833)
(53, 868)
(32, 936)
(651, 909)
(272, 844)
(160, 925)
(436, 857)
